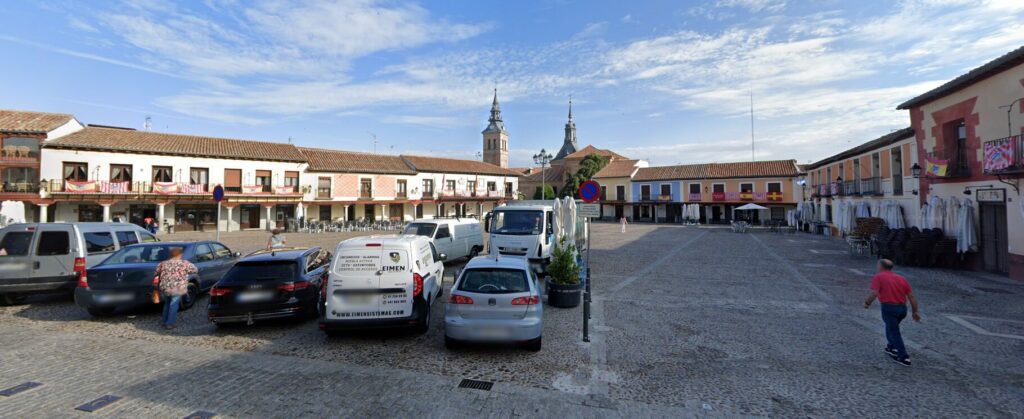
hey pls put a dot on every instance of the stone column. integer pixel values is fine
(383, 212)
(300, 210)
(344, 215)
(106, 212)
(227, 224)
(160, 214)
(270, 217)
(42, 213)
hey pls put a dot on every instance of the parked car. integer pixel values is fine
(455, 237)
(382, 281)
(125, 279)
(270, 284)
(494, 300)
(38, 258)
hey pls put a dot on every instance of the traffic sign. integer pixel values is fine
(218, 193)
(589, 191)
(589, 210)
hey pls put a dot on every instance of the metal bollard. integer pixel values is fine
(586, 318)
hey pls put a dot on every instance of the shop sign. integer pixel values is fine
(991, 195)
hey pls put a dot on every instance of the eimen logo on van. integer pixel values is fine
(397, 268)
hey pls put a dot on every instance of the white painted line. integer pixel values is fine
(857, 272)
(828, 252)
(819, 265)
(979, 330)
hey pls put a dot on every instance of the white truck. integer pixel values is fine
(524, 229)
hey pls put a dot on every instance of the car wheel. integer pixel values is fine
(474, 252)
(533, 345)
(189, 299)
(11, 299)
(100, 311)
(424, 326)
(451, 344)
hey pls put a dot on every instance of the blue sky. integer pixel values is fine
(667, 81)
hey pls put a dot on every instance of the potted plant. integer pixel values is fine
(563, 282)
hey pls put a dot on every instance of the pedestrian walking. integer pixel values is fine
(276, 239)
(172, 279)
(892, 292)
(622, 224)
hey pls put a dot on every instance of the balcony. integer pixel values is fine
(645, 197)
(665, 198)
(1003, 156)
(20, 187)
(871, 186)
(19, 154)
(693, 197)
(957, 165)
(366, 194)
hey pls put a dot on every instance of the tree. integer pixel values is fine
(589, 167)
(549, 193)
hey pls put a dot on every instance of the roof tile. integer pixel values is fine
(617, 168)
(446, 165)
(766, 168)
(129, 140)
(322, 160)
(28, 122)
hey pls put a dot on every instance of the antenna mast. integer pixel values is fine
(148, 125)
(752, 158)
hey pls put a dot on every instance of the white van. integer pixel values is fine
(455, 237)
(40, 258)
(522, 228)
(382, 281)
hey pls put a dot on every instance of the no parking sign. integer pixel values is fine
(589, 191)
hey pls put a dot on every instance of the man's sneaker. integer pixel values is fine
(902, 361)
(891, 351)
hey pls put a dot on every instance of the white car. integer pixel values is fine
(495, 300)
(455, 237)
(382, 281)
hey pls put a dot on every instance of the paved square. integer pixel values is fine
(686, 322)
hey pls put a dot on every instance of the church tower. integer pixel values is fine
(495, 137)
(569, 142)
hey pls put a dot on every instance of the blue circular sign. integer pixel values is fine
(218, 193)
(589, 191)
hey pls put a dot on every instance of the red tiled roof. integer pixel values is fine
(446, 165)
(549, 175)
(767, 168)
(132, 141)
(617, 168)
(322, 160)
(28, 122)
(590, 149)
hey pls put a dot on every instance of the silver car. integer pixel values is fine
(494, 300)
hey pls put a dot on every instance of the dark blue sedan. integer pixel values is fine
(125, 279)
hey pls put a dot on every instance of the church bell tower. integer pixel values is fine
(495, 137)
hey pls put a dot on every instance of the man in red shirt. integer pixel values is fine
(893, 291)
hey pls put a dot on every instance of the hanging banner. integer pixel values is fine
(165, 188)
(732, 196)
(193, 188)
(114, 187)
(936, 167)
(694, 197)
(835, 188)
(746, 196)
(775, 196)
(248, 189)
(999, 154)
(78, 187)
(282, 190)
(760, 196)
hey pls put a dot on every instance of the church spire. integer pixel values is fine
(569, 143)
(570, 108)
(494, 122)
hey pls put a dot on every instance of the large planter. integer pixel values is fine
(563, 296)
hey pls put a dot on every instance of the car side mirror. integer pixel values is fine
(442, 256)
(237, 254)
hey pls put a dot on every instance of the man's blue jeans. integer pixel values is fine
(171, 304)
(892, 315)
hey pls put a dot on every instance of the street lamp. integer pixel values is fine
(915, 171)
(542, 158)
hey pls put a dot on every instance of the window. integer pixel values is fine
(442, 232)
(517, 222)
(263, 179)
(139, 254)
(666, 190)
(645, 192)
(315, 260)
(897, 171)
(292, 179)
(76, 172)
(774, 187)
(421, 229)
(695, 188)
(492, 186)
(21, 147)
(20, 179)
(261, 271)
(508, 188)
(718, 188)
(323, 188)
(121, 173)
(233, 180)
(162, 174)
(365, 188)
(471, 186)
(147, 238)
(402, 188)
(449, 185)
(199, 176)
(98, 243)
(126, 238)
(428, 186)
(16, 243)
(494, 281)
(203, 253)
(325, 213)
(220, 251)
(746, 188)
(53, 243)
(620, 192)
(876, 165)
(604, 193)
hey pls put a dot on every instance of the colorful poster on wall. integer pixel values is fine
(999, 154)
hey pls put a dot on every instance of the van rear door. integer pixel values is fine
(396, 283)
(52, 258)
(354, 289)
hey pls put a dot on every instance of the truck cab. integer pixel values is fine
(524, 230)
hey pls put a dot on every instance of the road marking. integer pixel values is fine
(643, 272)
(962, 320)
(857, 272)
(827, 252)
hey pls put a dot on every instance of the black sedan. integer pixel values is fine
(270, 284)
(125, 279)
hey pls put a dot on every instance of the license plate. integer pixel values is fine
(253, 296)
(494, 333)
(359, 299)
(115, 298)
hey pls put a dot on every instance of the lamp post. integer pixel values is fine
(542, 158)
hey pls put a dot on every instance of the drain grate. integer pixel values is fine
(993, 290)
(476, 384)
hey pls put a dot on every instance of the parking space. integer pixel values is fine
(698, 319)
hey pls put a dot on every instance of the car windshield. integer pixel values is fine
(421, 229)
(494, 281)
(140, 254)
(517, 222)
(262, 271)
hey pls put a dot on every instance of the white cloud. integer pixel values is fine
(754, 6)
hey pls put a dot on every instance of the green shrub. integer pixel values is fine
(563, 268)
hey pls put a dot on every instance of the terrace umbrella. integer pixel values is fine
(952, 217)
(925, 221)
(556, 227)
(571, 229)
(937, 210)
(863, 210)
(13, 211)
(967, 239)
(748, 207)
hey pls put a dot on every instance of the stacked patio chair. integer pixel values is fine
(944, 253)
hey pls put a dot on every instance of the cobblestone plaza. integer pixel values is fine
(686, 322)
